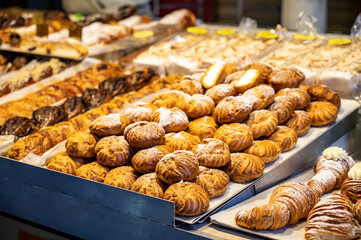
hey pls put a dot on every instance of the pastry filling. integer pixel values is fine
(335, 153)
(212, 75)
(355, 172)
(249, 77)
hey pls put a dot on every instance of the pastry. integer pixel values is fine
(145, 160)
(92, 171)
(140, 112)
(171, 99)
(246, 80)
(112, 124)
(81, 144)
(285, 137)
(150, 185)
(220, 91)
(19, 126)
(122, 177)
(61, 162)
(283, 106)
(300, 122)
(322, 113)
(233, 109)
(286, 78)
(203, 127)
(213, 181)
(113, 151)
(262, 123)
(177, 166)
(212, 153)
(263, 69)
(144, 134)
(351, 187)
(244, 167)
(267, 150)
(189, 199)
(188, 86)
(171, 119)
(264, 96)
(214, 75)
(181, 141)
(73, 106)
(357, 210)
(236, 135)
(198, 106)
(94, 97)
(324, 93)
(48, 116)
(300, 96)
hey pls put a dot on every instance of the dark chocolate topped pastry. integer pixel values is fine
(49, 115)
(73, 106)
(115, 85)
(140, 78)
(18, 126)
(93, 97)
(20, 61)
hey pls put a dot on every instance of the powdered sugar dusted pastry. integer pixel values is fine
(113, 151)
(181, 141)
(81, 144)
(233, 109)
(263, 69)
(264, 96)
(285, 137)
(144, 134)
(188, 86)
(203, 127)
(171, 119)
(122, 177)
(140, 112)
(283, 106)
(92, 171)
(286, 78)
(236, 135)
(112, 124)
(198, 106)
(145, 160)
(213, 181)
(262, 123)
(220, 91)
(61, 162)
(170, 99)
(300, 96)
(322, 113)
(212, 153)
(324, 93)
(300, 122)
(351, 187)
(150, 185)
(267, 150)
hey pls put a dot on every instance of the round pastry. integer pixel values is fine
(81, 144)
(113, 151)
(324, 93)
(181, 141)
(188, 86)
(300, 121)
(236, 135)
(121, 177)
(112, 124)
(322, 113)
(171, 99)
(285, 137)
(61, 162)
(300, 96)
(145, 160)
(203, 127)
(189, 199)
(140, 112)
(198, 106)
(262, 123)
(212, 153)
(233, 109)
(144, 134)
(92, 171)
(264, 70)
(267, 150)
(220, 91)
(232, 78)
(213, 181)
(171, 119)
(264, 96)
(286, 78)
(244, 167)
(283, 106)
(177, 166)
(357, 210)
(149, 184)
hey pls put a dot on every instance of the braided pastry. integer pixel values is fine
(198, 106)
(286, 78)
(112, 124)
(300, 122)
(285, 137)
(188, 86)
(283, 106)
(113, 151)
(145, 160)
(92, 171)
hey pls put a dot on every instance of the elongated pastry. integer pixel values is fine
(213, 181)
(122, 177)
(203, 127)
(246, 80)
(150, 185)
(267, 150)
(236, 135)
(351, 187)
(212, 153)
(145, 160)
(214, 75)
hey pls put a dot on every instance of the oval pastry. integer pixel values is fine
(300, 121)
(203, 127)
(267, 150)
(144, 134)
(92, 171)
(212, 153)
(113, 151)
(112, 124)
(149, 184)
(171, 99)
(262, 123)
(324, 93)
(285, 137)
(145, 160)
(300, 97)
(177, 166)
(81, 144)
(264, 96)
(61, 162)
(121, 177)
(198, 106)
(220, 91)
(357, 209)
(190, 199)
(140, 112)
(181, 141)
(188, 86)
(286, 78)
(213, 181)
(263, 69)
(244, 167)
(322, 113)
(171, 119)
(233, 109)
(283, 106)
(236, 135)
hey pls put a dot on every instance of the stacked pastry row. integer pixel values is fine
(9, 63)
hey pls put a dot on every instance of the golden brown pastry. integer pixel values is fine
(190, 199)
(244, 167)
(122, 177)
(198, 106)
(140, 112)
(300, 122)
(263, 69)
(262, 123)
(332, 218)
(283, 106)
(236, 135)
(324, 93)
(170, 99)
(112, 124)
(351, 187)
(149, 184)
(357, 210)
(177, 166)
(181, 141)
(92, 171)
(213, 181)
(300, 96)
(285, 137)
(81, 144)
(212, 153)
(61, 162)
(203, 127)
(233, 109)
(171, 119)
(188, 86)
(214, 75)
(322, 113)
(145, 160)
(267, 150)
(246, 80)
(220, 91)
(286, 78)
(264, 96)
(144, 134)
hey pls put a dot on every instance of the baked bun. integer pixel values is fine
(61, 162)
(172, 98)
(121, 177)
(220, 91)
(203, 127)
(149, 184)
(144, 134)
(140, 112)
(177, 166)
(112, 124)
(189, 199)
(264, 95)
(352, 189)
(285, 137)
(283, 106)
(181, 141)
(212, 153)
(263, 69)
(198, 106)
(92, 171)
(324, 93)
(113, 151)
(322, 113)
(233, 109)
(145, 160)
(300, 96)
(236, 135)
(300, 121)
(262, 123)
(357, 210)
(286, 78)
(244, 167)
(171, 119)
(213, 181)
(188, 86)
(267, 150)
(81, 144)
